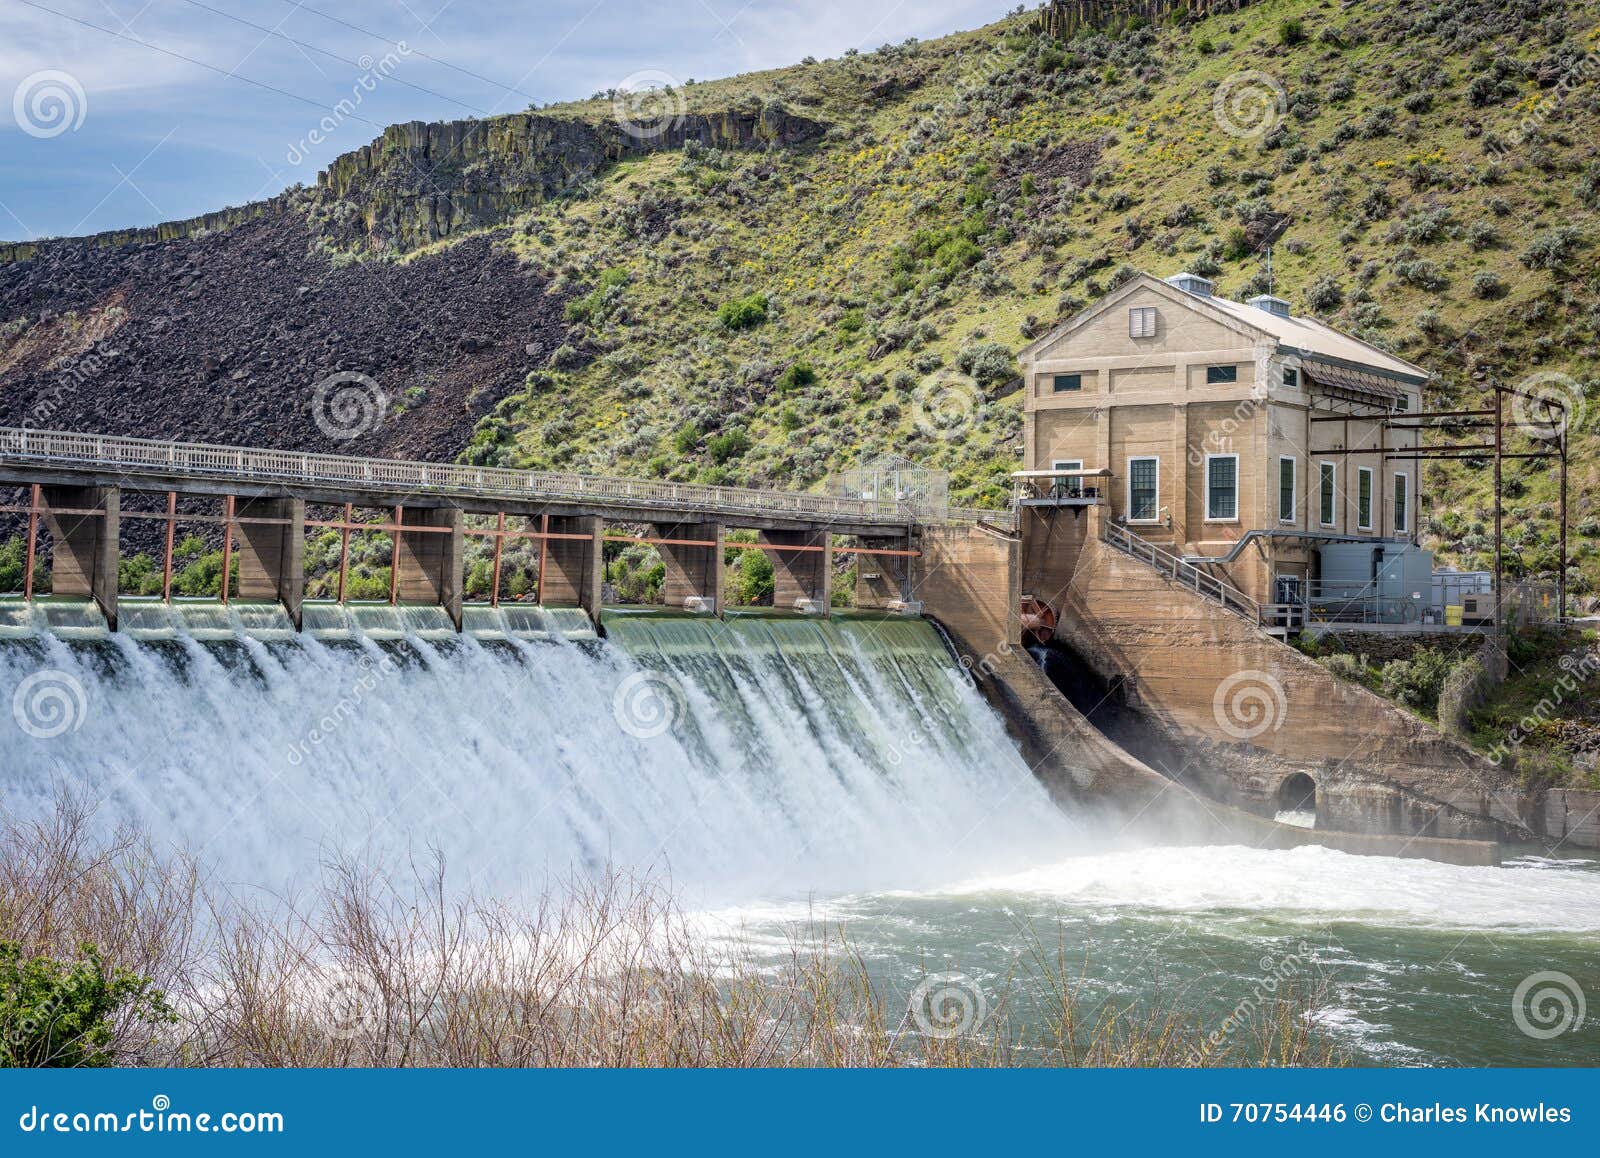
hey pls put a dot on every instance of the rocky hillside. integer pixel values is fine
(767, 277)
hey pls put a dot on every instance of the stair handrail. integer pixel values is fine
(1205, 585)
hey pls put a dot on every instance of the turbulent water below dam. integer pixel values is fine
(779, 772)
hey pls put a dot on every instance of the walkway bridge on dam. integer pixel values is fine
(81, 488)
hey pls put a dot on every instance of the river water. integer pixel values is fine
(783, 774)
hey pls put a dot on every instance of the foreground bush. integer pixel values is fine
(373, 971)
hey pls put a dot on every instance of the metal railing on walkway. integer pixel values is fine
(193, 459)
(1209, 587)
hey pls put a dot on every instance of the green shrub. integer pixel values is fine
(728, 445)
(743, 313)
(686, 438)
(797, 375)
(600, 301)
(14, 560)
(1291, 32)
(1345, 666)
(754, 583)
(1487, 284)
(1551, 248)
(1325, 294)
(1417, 681)
(64, 1015)
(988, 362)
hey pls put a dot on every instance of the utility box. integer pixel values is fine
(1379, 569)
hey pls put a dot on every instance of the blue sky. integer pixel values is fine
(101, 131)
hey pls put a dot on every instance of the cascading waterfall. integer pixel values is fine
(757, 757)
(776, 771)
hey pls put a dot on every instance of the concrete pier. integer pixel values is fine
(882, 579)
(271, 535)
(802, 569)
(694, 565)
(429, 560)
(573, 566)
(83, 522)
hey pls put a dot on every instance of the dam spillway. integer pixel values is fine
(802, 753)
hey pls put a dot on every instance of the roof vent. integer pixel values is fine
(1271, 304)
(1191, 283)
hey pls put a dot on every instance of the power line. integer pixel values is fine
(411, 51)
(262, 28)
(316, 104)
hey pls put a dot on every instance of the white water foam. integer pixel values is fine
(1313, 884)
(796, 769)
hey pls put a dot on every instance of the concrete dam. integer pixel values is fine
(903, 769)
(1410, 793)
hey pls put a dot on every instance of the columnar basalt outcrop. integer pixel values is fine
(419, 183)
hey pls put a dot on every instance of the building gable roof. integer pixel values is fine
(1303, 336)
(1143, 280)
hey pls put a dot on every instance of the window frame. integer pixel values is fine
(1155, 501)
(1293, 516)
(1231, 368)
(1057, 388)
(1233, 518)
(1364, 474)
(1328, 470)
(1402, 508)
(1291, 377)
(1143, 313)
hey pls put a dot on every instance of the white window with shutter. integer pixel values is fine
(1142, 322)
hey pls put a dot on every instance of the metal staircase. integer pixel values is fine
(1276, 619)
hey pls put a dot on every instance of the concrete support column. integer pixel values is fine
(694, 570)
(83, 523)
(1180, 481)
(572, 569)
(802, 575)
(431, 562)
(272, 554)
(883, 579)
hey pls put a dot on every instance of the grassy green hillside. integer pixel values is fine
(770, 316)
